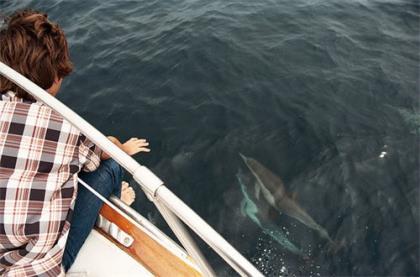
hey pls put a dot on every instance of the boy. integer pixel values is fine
(41, 155)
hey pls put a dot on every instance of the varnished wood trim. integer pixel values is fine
(156, 258)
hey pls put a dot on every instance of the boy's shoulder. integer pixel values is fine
(35, 114)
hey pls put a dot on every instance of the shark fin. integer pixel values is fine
(335, 246)
(257, 191)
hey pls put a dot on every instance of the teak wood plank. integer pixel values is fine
(156, 258)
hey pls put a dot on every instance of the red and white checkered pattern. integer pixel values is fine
(40, 156)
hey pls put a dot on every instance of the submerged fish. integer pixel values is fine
(250, 209)
(273, 190)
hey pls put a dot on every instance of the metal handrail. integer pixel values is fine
(148, 181)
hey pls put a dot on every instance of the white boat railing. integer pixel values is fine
(168, 204)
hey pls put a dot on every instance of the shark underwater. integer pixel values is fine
(273, 190)
(257, 214)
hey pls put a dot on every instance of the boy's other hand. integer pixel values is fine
(135, 145)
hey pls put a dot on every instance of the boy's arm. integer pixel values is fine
(131, 146)
(89, 154)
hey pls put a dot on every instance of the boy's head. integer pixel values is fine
(36, 48)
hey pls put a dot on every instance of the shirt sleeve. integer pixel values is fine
(89, 154)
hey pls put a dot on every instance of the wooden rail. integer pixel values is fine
(156, 258)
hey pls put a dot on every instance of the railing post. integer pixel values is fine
(208, 234)
(184, 237)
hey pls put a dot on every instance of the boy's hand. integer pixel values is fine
(134, 146)
(131, 146)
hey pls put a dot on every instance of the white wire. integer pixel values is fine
(119, 211)
(106, 201)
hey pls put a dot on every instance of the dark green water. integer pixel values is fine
(314, 90)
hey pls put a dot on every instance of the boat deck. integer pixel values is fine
(148, 255)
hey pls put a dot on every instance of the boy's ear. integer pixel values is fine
(53, 90)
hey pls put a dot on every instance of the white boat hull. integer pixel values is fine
(99, 257)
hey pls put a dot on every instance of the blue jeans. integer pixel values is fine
(106, 180)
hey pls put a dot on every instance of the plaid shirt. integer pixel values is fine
(40, 156)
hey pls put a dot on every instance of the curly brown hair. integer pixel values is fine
(36, 48)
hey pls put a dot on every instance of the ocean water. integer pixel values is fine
(324, 94)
